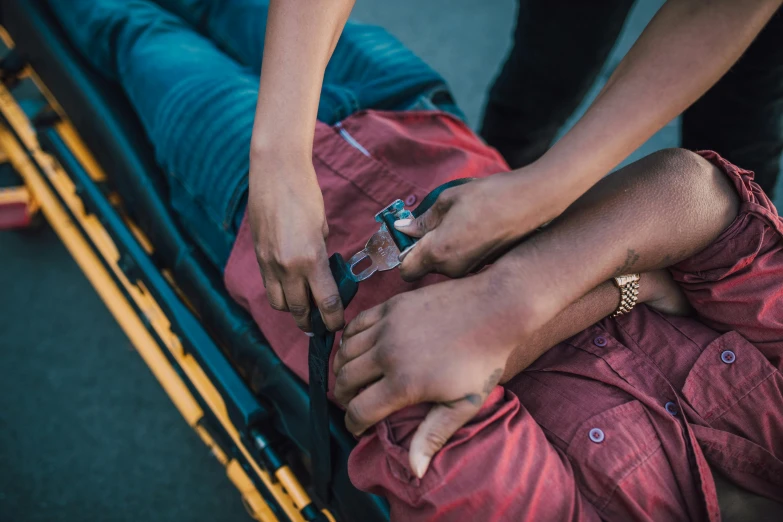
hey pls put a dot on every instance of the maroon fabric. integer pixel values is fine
(585, 432)
(411, 153)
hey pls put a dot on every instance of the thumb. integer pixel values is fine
(442, 421)
(417, 227)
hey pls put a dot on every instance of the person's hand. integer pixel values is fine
(286, 215)
(471, 224)
(440, 344)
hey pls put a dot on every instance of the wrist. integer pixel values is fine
(538, 182)
(653, 285)
(658, 290)
(287, 162)
(271, 144)
(572, 168)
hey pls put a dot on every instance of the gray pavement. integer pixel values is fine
(86, 432)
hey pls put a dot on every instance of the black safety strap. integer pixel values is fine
(318, 362)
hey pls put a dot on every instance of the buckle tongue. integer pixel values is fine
(381, 248)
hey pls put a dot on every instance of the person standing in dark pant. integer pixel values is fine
(559, 50)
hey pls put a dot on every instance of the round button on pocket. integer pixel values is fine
(671, 408)
(600, 341)
(596, 435)
(410, 200)
(728, 357)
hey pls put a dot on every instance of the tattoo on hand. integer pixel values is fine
(631, 257)
(477, 399)
(474, 399)
(492, 380)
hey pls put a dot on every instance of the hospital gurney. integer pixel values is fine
(84, 164)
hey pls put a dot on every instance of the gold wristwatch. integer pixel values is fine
(629, 293)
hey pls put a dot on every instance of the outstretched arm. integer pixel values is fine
(285, 205)
(657, 289)
(650, 215)
(684, 50)
(300, 38)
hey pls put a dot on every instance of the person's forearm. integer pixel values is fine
(651, 214)
(588, 310)
(684, 50)
(300, 38)
(655, 288)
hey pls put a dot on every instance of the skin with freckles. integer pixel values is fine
(450, 342)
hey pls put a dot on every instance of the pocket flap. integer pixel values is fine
(609, 446)
(725, 372)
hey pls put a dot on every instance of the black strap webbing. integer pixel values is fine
(318, 366)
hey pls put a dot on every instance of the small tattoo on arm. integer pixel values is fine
(631, 257)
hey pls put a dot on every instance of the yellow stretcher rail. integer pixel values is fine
(84, 230)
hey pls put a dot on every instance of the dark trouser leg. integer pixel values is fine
(236, 26)
(196, 104)
(370, 69)
(559, 49)
(741, 117)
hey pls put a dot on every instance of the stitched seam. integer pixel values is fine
(384, 170)
(650, 359)
(626, 474)
(709, 416)
(607, 364)
(695, 344)
(696, 370)
(233, 202)
(346, 178)
(740, 458)
(197, 200)
(763, 212)
(552, 435)
(566, 443)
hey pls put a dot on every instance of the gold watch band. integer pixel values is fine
(629, 293)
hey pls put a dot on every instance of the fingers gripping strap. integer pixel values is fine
(391, 214)
(318, 367)
(402, 241)
(430, 198)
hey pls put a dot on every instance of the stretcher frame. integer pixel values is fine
(63, 181)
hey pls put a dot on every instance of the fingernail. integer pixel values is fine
(309, 334)
(419, 464)
(402, 223)
(405, 252)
